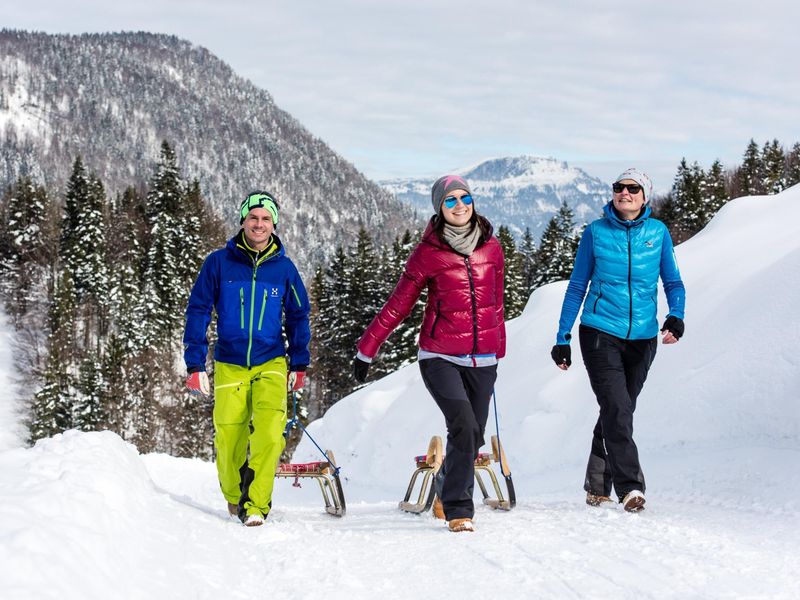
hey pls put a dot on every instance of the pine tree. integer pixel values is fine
(126, 250)
(365, 297)
(514, 291)
(24, 243)
(332, 329)
(83, 235)
(715, 192)
(687, 200)
(663, 209)
(793, 166)
(773, 160)
(52, 406)
(750, 175)
(115, 381)
(166, 284)
(557, 248)
(527, 253)
(50, 413)
(317, 291)
(401, 348)
(88, 412)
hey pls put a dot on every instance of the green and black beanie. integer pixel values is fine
(259, 200)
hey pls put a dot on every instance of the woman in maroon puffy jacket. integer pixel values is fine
(460, 262)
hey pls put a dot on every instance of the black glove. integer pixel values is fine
(360, 369)
(674, 325)
(562, 354)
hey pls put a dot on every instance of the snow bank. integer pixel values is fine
(82, 493)
(733, 378)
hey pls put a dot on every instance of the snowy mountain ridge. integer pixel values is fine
(112, 98)
(517, 191)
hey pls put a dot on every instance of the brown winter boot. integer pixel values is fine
(594, 500)
(233, 510)
(633, 501)
(457, 525)
(438, 508)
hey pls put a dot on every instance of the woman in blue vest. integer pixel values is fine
(620, 258)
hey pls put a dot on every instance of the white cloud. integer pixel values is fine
(415, 87)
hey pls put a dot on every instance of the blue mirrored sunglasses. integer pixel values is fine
(451, 201)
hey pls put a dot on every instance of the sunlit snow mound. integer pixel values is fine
(732, 379)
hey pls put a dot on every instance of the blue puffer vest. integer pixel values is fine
(623, 295)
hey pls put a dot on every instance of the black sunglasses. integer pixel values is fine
(633, 188)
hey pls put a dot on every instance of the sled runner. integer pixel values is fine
(327, 476)
(428, 466)
(325, 472)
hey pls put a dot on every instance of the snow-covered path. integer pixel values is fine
(119, 525)
(692, 542)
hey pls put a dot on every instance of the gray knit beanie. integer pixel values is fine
(443, 186)
(639, 177)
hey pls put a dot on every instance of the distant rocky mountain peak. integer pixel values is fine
(517, 191)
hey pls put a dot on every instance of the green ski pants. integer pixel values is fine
(249, 410)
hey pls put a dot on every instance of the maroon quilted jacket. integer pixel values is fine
(464, 311)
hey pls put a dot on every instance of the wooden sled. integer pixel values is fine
(327, 476)
(428, 466)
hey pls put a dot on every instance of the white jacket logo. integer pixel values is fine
(274, 293)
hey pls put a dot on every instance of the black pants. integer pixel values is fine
(463, 395)
(617, 371)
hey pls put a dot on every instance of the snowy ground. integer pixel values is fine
(83, 515)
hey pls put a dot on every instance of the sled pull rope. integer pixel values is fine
(497, 428)
(295, 421)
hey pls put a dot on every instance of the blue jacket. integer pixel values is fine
(253, 300)
(623, 261)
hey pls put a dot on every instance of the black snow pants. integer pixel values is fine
(463, 395)
(617, 371)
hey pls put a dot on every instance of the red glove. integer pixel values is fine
(197, 383)
(296, 381)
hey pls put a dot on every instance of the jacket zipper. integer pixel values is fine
(474, 308)
(630, 287)
(252, 312)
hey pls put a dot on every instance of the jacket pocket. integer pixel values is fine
(263, 307)
(241, 307)
(599, 295)
(436, 318)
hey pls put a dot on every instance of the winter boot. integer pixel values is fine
(460, 525)
(233, 510)
(254, 520)
(438, 508)
(594, 500)
(633, 501)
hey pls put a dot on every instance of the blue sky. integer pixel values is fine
(417, 88)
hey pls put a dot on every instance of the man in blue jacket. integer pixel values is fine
(256, 291)
(620, 258)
